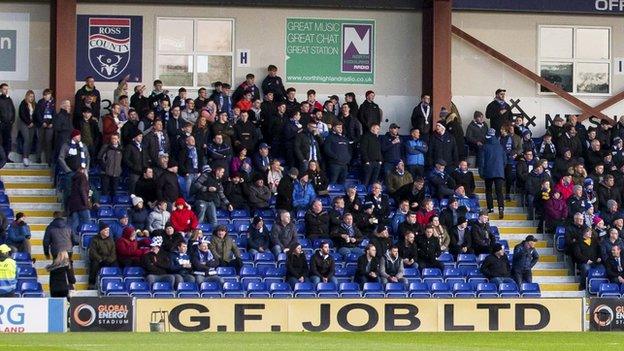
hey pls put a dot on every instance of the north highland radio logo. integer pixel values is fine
(109, 45)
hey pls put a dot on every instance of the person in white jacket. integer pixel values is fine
(159, 217)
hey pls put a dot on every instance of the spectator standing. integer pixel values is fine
(57, 237)
(475, 135)
(322, 266)
(498, 111)
(101, 253)
(26, 125)
(7, 117)
(209, 195)
(273, 84)
(415, 152)
(525, 256)
(493, 172)
(442, 146)
(167, 186)
(62, 278)
(62, 127)
(369, 112)
(110, 158)
(134, 160)
(496, 266)
(44, 113)
(78, 200)
(88, 96)
(370, 149)
(337, 149)
(391, 148)
(422, 118)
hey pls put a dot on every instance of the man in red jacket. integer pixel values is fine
(183, 219)
(127, 247)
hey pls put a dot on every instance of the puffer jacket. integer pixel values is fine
(110, 158)
(102, 249)
(222, 248)
(57, 237)
(128, 249)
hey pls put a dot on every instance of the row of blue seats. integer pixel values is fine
(326, 290)
(29, 288)
(611, 290)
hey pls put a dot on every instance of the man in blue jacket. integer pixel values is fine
(493, 171)
(18, 236)
(415, 151)
(391, 148)
(303, 193)
(181, 265)
(338, 153)
(525, 256)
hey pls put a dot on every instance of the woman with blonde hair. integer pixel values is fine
(440, 232)
(274, 175)
(62, 277)
(26, 125)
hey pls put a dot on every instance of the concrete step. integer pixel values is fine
(38, 255)
(41, 264)
(19, 179)
(554, 279)
(77, 271)
(550, 272)
(559, 287)
(79, 279)
(540, 244)
(19, 165)
(30, 192)
(26, 172)
(508, 203)
(37, 213)
(39, 223)
(78, 286)
(550, 265)
(30, 185)
(520, 237)
(513, 228)
(29, 206)
(481, 196)
(548, 258)
(33, 199)
(580, 293)
(545, 250)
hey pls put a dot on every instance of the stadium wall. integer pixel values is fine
(262, 32)
(476, 75)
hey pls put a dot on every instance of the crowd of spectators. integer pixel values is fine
(184, 159)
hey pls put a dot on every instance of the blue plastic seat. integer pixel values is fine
(373, 290)
(105, 200)
(139, 289)
(187, 289)
(162, 289)
(133, 273)
(349, 290)
(595, 277)
(206, 228)
(122, 200)
(106, 213)
(327, 290)
(226, 271)
(396, 290)
(419, 290)
(440, 290)
(30, 288)
(273, 274)
(280, 290)
(431, 275)
(21, 257)
(26, 272)
(463, 290)
(487, 290)
(411, 273)
(609, 290)
(304, 290)
(530, 290)
(508, 290)
(249, 272)
(266, 213)
(336, 189)
(447, 259)
(233, 290)
(88, 227)
(115, 289)
(210, 290)
(466, 260)
(240, 214)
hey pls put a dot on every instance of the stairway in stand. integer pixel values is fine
(551, 272)
(31, 191)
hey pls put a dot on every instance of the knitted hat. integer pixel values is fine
(75, 133)
(122, 214)
(103, 226)
(596, 220)
(156, 241)
(588, 181)
(491, 132)
(135, 200)
(127, 231)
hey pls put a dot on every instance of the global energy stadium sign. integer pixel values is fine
(336, 51)
(607, 7)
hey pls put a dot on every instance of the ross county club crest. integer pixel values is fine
(109, 45)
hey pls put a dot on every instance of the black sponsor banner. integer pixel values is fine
(101, 314)
(606, 314)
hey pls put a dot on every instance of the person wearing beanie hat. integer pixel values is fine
(442, 146)
(101, 252)
(381, 240)
(259, 194)
(391, 148)
(73, 154)
(259, 237)
(498, 111)
(157, 263)
(460, 243)
(496, 266)
(493, 172)
(397, 178)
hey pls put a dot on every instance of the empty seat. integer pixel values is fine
(419, 290)
(463, 290)
(396, 290)
(88, 228)
(133, 273)
(530, 290)
(205, 227)
(373, 290)
(349, 290)
(257, 289)
(280, 290)
(226, 271)
(30, 288)
(210, 290)
(304, 290)
(466, 260)
(115, 289)
(609, 290)
(440, 290)
(447, 259)
(162, 289)
(21, 257)
(139, 289)
(187, 289)
(487, 290)
(26, 273)
(508, 290)
(233, 290)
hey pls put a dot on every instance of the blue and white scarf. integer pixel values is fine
(76, 148)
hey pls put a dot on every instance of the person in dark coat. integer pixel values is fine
(525, 257)
(460, 238)
(422, 117)
(272, 83)
(167, 186)
(102, 253)
(322, 266)
(371, 157)
(284, 198)
(62, 127)
(337, 150)
(367, 267)
(57, 237)
(156, 142)
(455, 128)
(440, 183)
(498, 111)
(481, 238)
(297, 270)
(391, 148)
(496, 266)
(7, 117)
(615, 265)
(62, 278)
(442, 147)
(259, 237)
(586, 253)
(429, 250)
(81, 98)
(450, 215)
(408, 250)
(369, 112)
(317, 221)
(464, 177)
(493, 171)
(78, 200)
(134, 159)
(308, 146)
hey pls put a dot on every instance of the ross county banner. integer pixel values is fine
(312, 315)
(337, 51)
(109, 47)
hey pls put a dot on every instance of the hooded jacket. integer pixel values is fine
(183, 220)
(493, 159)
(7, 110)
(128, 249)
(57, 237)
(391, 267)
